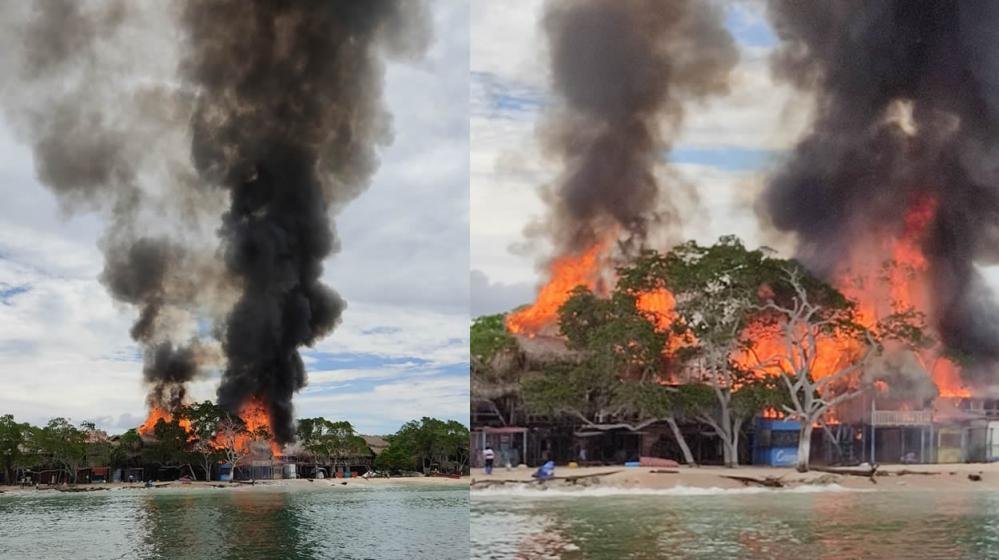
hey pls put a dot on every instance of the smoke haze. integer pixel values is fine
(907, 110)
(250, 131)
(623, 74)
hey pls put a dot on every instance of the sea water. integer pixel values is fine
(236, 524)
(690, 523)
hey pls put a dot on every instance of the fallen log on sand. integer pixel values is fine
(567, 479)
(577, 478)
(499, 482)
(81, 489)
(869, 474)
(768, 482)
(664, 471)
(904, 472)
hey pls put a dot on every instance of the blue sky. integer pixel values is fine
(725, 148)
(402, 349)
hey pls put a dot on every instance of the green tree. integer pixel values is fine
(232, 434)
(63, 444)
(331, 442)
(455, 445)
(712, 288)
(812, 320)
(100, 451)
(617, 378)
(172, 445)
(205, 418)
(395, 458)
(724, 289)
(424, 444)
(13, 437)
(488, 337)
(496, 368)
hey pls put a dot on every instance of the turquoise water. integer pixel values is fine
(224, 524)
(833, 525)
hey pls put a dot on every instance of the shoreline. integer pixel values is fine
(934, 477)
(293, 485)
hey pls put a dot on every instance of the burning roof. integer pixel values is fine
(891, 194)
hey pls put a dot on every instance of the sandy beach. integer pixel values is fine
(292, 485)
(886, 478)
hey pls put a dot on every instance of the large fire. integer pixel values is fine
(253, 414)
(898, 261)
(883, 277)
(566, 273)
(156, 414)
(658, 307)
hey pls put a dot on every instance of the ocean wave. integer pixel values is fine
(679, 490)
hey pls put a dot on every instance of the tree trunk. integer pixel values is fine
(736, 431)
(688, 457)
(804, 445)
(731, 459)
(726, 453)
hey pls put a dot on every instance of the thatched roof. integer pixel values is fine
(543, 349)
(376, 444)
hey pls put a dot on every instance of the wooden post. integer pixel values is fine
(524, 458)
(873, 433)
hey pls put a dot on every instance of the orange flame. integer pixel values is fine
(908, 286)
(658, 306)
(254, 416)
(155, 415)
(771, 413)
(566, 273)
(905, 286)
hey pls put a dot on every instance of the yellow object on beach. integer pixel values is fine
(573, 465)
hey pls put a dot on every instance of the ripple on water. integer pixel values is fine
(419, 523)
(830, 526)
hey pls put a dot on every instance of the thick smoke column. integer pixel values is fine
(907, 110)
(622, 73)
(272, 109)
(287, 117)
(100, 139)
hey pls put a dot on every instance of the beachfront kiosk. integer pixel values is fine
(775, 442)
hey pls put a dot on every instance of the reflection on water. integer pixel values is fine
(421, 523)
(833, 526)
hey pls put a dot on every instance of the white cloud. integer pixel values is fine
(64, 345)
(389, 405)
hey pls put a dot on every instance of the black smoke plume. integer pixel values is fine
(623, 73)
(287, 117)
(262, 121)
(906, 110)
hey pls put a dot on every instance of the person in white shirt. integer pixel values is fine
(489, 456)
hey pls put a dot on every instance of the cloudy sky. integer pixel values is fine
(402, 349)
(725, 151)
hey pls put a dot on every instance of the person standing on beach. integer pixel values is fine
(489, 456)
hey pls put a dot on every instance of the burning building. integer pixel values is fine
(889, 196)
